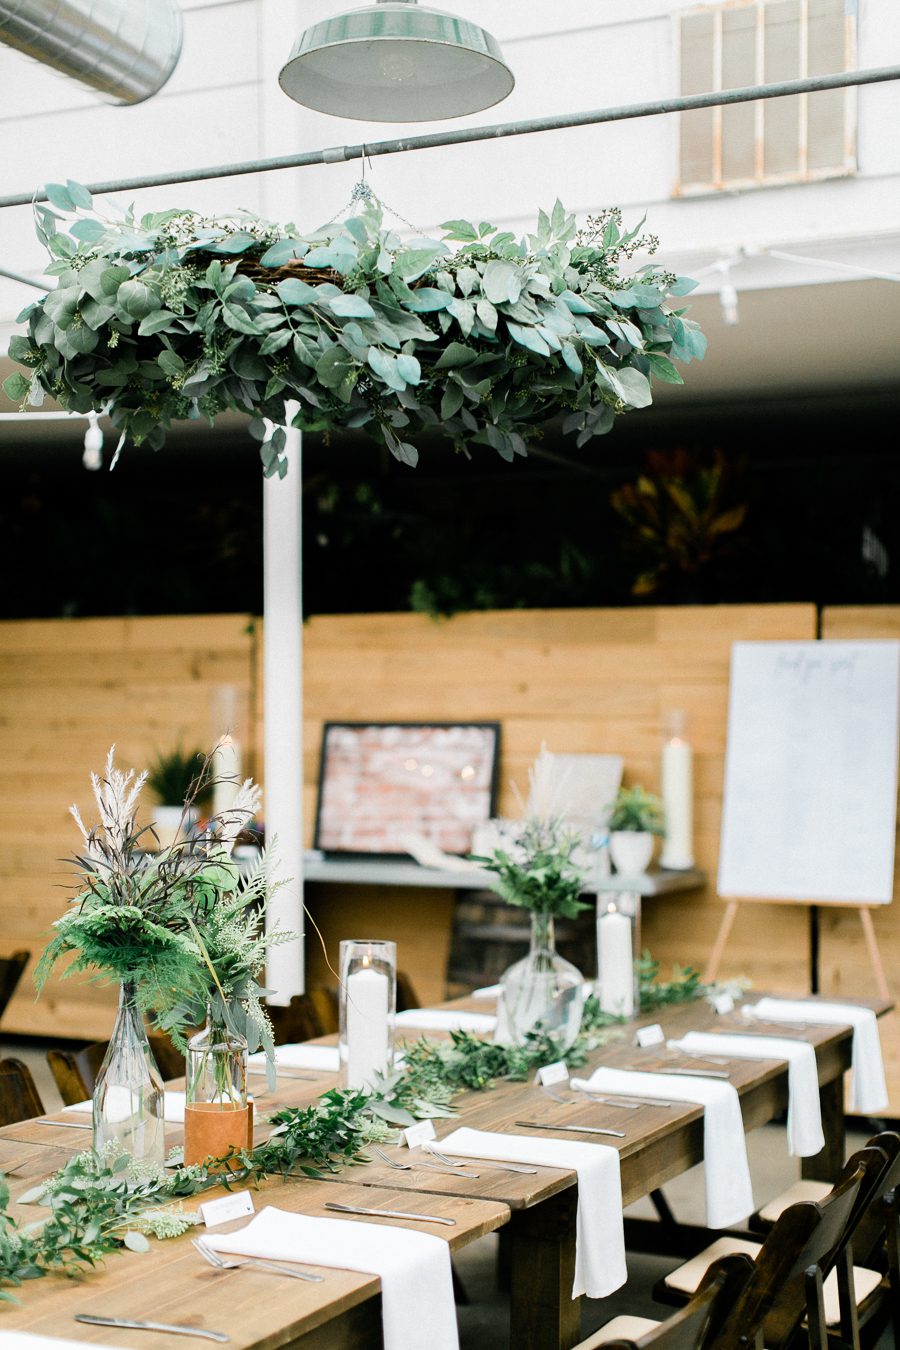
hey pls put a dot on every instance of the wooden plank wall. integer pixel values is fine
(579, 680)
(68, 689)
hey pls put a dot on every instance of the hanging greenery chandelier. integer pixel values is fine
(477, 335)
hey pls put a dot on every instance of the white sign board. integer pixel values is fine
(811, 772)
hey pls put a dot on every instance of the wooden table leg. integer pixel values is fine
(543, 1314)
(826, 1165)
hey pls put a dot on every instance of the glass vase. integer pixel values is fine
(368, 1005)
(129, 1101)
(543, 993)
(218, 1116)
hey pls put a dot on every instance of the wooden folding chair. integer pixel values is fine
(11, 969)
(19, 1098)
(75, 1071)
(299, 1020)
(809, 1241)
(693, 1327)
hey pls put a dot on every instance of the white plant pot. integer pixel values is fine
(631, 851)
(166, 820)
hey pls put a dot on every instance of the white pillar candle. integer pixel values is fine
(678, 798)
(226, 767)
(615, 963)
(368, 1031)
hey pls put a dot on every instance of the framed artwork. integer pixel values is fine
(381, 781)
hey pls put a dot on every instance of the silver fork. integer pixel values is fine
(220, 1263)
(626, 1104)
(492, 1166)
(411, 1167)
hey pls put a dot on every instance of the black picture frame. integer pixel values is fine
(339, 833)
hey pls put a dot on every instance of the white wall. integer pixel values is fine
(224, 104)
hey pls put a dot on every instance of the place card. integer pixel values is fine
(235, 1206)
(723, 1003)
(419, 1134)
(553, 1073)
(652, 1035)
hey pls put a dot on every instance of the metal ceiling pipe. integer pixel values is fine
(124, 50)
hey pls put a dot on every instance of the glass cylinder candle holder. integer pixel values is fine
(368, 1006)
(617, 942)
(678, 795)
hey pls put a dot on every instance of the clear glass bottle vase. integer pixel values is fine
(218, 1115)
(129, 1101)
(543, 993)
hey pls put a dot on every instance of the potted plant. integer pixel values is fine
(636, 817)
(181, 782)
(477, 334)
(543, 994)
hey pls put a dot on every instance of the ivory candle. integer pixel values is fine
(226, 767)
(615, 963)
(368, 1029)
(677, 795)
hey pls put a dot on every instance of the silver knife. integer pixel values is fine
(569, 1129)
(699, 1073)
(63, 1124)
(286, 1073)
(132, 1325)
(389, 1213)
(630, 1102)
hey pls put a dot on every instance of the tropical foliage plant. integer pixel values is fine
(682, 518)
(478, 334)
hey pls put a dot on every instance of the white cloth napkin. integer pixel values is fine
(804, 1117)
(122, 1109)
(600, 1237)
(445, 1019)
(729, 1194)
(301, 1056)
(414, 1268)
(868, 1090)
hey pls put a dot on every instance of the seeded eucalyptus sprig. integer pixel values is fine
(477, 334)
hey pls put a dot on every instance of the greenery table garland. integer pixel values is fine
(479, 335)
(101, 1202)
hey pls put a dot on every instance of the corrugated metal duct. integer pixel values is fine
(124, 50)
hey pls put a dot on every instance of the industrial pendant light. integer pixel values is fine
(396, 61)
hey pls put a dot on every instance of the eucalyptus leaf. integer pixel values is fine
(351, 307)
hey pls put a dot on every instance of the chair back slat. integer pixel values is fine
(11, 971)
(19, 1098)
(869, 1228)
(696, 1325)
(75, 1071)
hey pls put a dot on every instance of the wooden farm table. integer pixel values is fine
(660, 1143)
(257, 1309)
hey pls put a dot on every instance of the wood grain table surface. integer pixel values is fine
(659, 1142)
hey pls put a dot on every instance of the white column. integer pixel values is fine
(283, 714)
